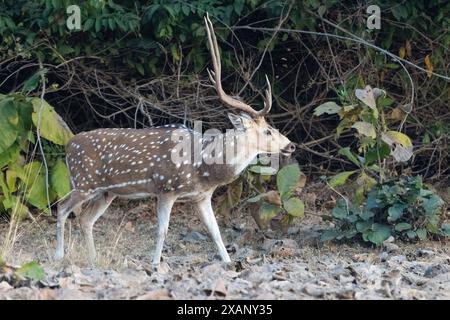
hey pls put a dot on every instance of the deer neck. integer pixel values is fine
(244, 154)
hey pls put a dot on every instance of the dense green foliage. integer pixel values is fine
(23, 177)
(403, 208)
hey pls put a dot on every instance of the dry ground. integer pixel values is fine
(266, 265)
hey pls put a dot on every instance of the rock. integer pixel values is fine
(391, 247)
(425, 253)
(313, 290)
(383, 256)
(160, 294)
(73, 294)
(435, 270)
(4, 286)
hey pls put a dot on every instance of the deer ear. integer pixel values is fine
(240, 122)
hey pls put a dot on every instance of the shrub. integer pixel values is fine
(282, 202)
(403, 208)
(25, 179)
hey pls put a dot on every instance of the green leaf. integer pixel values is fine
(372, 154)
(445, 229)
(18, 209)
(340, 212)
(402, 226)
(330, 234)
(329, 107)
(365, 129)
(88, 24)
(8, 124)
(34, 184)
(411, 234)
(395, 212)
(263, 170)
(421, 234)
(433, 204)
(379, 234)
(34, 80)
(256, 198)
(366, 215)
(238, 6)
(294, 206)
(268, 211)
(340, 178)
(52, 126)
(363, 226)
(287, 180)
(98, 24)
(60, 179)
(350, 156)
(31, 270)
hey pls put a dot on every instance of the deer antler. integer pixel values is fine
(215, 77)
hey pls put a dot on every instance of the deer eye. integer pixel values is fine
(268, 132)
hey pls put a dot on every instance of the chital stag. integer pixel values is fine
(135, 163)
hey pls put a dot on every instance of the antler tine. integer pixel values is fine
(215, 76)
(267, 99)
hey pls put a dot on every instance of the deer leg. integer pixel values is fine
(164, 207)
(208, 218)
(65, 207)
(93, 212)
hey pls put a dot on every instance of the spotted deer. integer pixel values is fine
(136, 163)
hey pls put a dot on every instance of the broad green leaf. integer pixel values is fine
(59, 179)
(395, 212)
(11, 179)
(365, 128)
(10, 156)
(433, 204)
(268, 211)
(52, 126)
(263, 170)
(363, 226)
(411, 234)
(9, 119)
(366, 215)
(372, 154)
(35, 187)
(340, 212)
(328, 235)
(17, 208)
(402, 226)
(329, 107)
(287, 180)
(340, 178)
(350, 156)
(294, 206)
(379, 234)
(31, 270)
(421, 233)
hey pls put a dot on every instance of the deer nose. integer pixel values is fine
(290, 147)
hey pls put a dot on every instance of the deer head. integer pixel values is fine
(263, 138)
